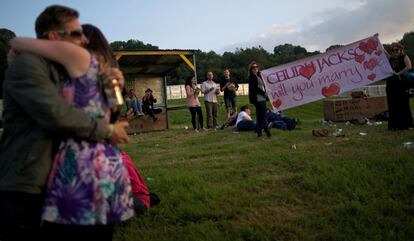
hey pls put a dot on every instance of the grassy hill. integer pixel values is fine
(225, 185)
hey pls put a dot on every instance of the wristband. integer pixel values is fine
(111, 128)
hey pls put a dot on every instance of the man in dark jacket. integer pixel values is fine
(229, 86)
(35, 117)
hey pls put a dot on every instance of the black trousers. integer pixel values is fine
(261, 122)
(62, 232)
(20, 216)
(400, 117)
(20, 220)
(194, 112)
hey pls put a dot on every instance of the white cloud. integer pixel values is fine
(348, 22)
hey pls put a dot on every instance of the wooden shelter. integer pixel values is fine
(145, 69)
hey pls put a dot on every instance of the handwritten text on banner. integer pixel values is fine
(336, 71)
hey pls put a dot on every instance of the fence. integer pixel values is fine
(178, 91)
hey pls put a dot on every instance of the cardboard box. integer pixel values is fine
(348, 109)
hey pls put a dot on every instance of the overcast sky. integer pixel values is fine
(221, 25)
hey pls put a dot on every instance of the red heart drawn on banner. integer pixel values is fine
(378, 52)
(370, 64)
(333, 89)
(372, 44)
(372, 76)
(367, 47)
(359, 58)
(363, 46)
(277, 103)
(307, 71)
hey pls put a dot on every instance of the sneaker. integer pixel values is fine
(154, 199)
(196, 130)
(270, 125)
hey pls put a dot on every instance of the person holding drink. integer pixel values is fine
(193, 103)
(210, 90)
(89, 189)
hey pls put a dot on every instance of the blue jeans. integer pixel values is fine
(231, 102)
(246, 125)
(135, 105)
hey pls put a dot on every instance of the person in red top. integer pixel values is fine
(143, 198)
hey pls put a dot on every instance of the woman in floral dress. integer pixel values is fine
(89, 183)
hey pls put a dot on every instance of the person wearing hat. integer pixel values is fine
(148, 104)
(400, 117)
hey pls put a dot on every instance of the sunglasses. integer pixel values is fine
(395, 50)
(77, 33)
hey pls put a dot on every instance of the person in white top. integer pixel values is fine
(244, 120)
(210, 90)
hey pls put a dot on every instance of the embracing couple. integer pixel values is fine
(61, 175)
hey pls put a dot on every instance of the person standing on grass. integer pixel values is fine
(400, 117)
(258, 97)
(229, 86)
(193, 103)
(210, 90)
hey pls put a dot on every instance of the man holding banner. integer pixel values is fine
(352, 66)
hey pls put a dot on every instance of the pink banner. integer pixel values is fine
(336, 71)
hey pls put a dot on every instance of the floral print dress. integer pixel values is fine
(89, 183)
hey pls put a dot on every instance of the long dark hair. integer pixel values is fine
(188, 81)
(99, 45)
(251, 74)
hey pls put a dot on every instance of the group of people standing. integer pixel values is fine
(211, 90)
(228, 85)
(399, 89)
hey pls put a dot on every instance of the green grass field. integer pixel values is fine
(222, 185)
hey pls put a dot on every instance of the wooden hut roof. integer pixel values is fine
(153, 62)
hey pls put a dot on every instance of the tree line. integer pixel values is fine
(237, 61)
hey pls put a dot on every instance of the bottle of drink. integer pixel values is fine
(118, 92)
(114, 94)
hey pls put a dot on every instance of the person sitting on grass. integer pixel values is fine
(143, 198)
(277, 120)
(231, 121)
(244, 120)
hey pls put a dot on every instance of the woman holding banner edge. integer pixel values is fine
(258, 97)
(400, 117)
